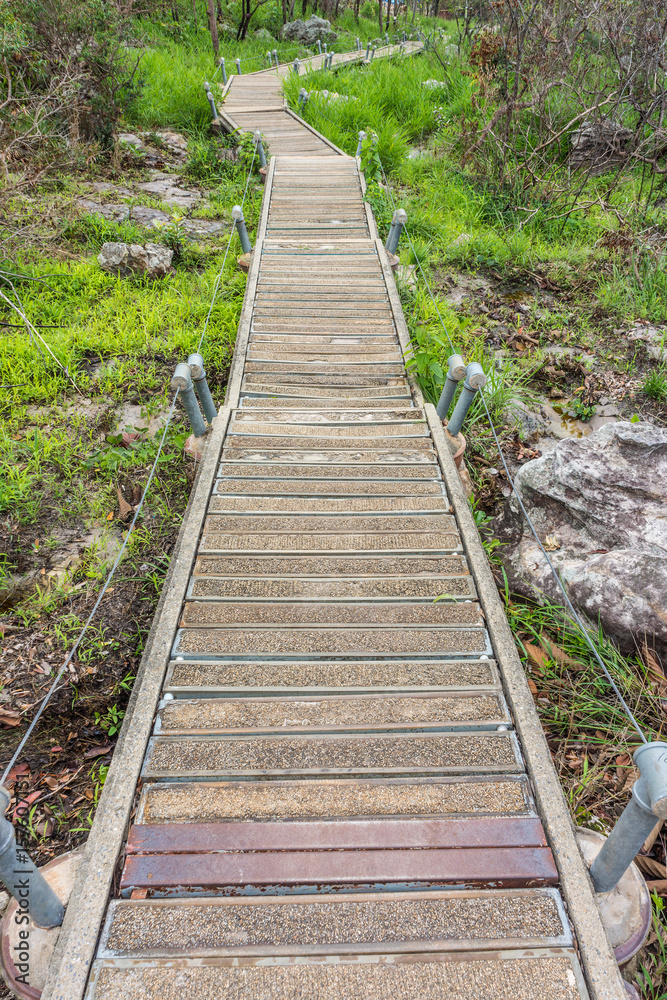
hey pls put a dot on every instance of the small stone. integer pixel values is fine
(153, 259)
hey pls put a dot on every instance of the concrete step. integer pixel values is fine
(316, 456)
(438, 642)
(328, 415)
(317, 470)
(323, 541)
(334, 799)
(417, 447)
(352, 523)
(323, 488)
(187, 678)
(423, 712)
(406, 922)
(278, 589)
(530, 975)
(179, 757)
(325, 506)
(197, 614)
(344, 565)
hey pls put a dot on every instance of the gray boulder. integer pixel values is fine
(263, 35)
(308, 32)
(599, 503)
(153, 259)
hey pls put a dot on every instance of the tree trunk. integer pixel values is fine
(380, 15)
(357, 4)
(174, 11)
(304, 8)
(284, 4)
(213, 26)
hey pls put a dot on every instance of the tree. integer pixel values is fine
(213, 26)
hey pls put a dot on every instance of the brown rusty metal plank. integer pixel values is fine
(349, 835)
(500, 867)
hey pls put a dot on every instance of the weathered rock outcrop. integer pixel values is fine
(308, 32)
(603, 499)
(153, 259)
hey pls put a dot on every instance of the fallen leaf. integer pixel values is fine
(18, 771)
(127, 438)
(9, 718)
(88, 793)
(23, 807)
(551, 543)
(56, 749)
(533, 686)
(652, 837)
(51, 782)
(98, 751)
(651, 866)
(536, 655)
(555, 653)
(125, 508)
(659, 887)
(110, 516)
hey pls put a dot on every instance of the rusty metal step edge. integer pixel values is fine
(511, 867)
(337, 835)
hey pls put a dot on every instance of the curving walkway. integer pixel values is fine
(345, 790)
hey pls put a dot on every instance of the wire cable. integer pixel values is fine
(224, 261)
(72, 651)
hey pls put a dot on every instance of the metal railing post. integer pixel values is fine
(475, 380)
(398, 220)
(326, 48)
(296, 66)
(303, 98)
(237, 216)
(221, 64)
(238, 66)
(257, 139)
(182, 380)
(209, 97)
(358, 45)
(275, 57)
(373, 52)
(198, 373)
(456, 371)
(368, 52)
(319, 46)
(647, 805)
(33, 894)
(362, 136)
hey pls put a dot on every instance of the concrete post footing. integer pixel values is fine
(626, 909)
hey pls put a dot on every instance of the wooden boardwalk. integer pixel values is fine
(344, 790)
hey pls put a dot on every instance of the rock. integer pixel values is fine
(308, 32)
(262, 35)
(149, 217)
(434, 84)
(602, 498)
(599, 146)
(130, 139)
(153, 259)
(116, 213)
(172, 194)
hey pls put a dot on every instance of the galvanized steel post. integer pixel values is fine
(319, 46)
(475, 380)
(296, 66)
(275, 57)
(362, 136)
(209, 97)
(398, 220)
(373, 52)
(647, 806)
(182, 380)
(33, 894)
(358, 45)
(221, 64)
(303, 98)
(326, 47)
(456, 371)
(368, 51)
(198, 373)
(237, 216)
(257, 139)
(238, 66)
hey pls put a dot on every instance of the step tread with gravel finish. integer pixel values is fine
(378, 589)
(225, 615)
(554, 974)
(481, 753)
(206, 677)
(298, 925)
(333, 713)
